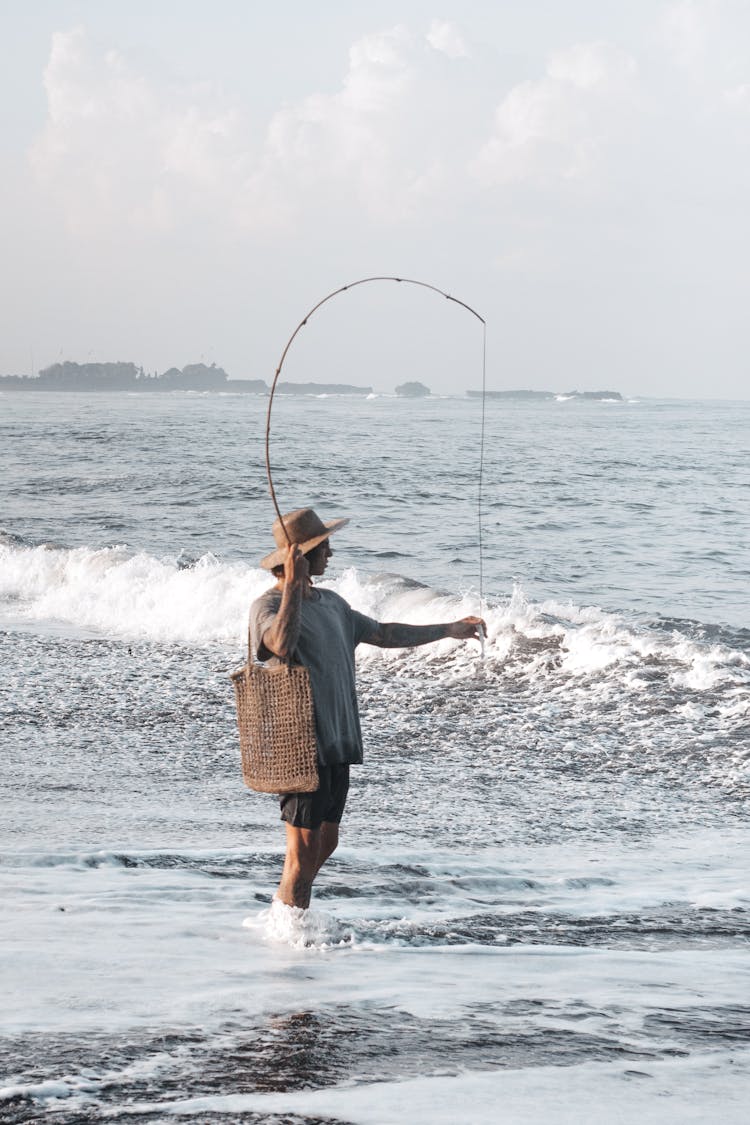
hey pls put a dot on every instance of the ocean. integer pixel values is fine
(540, 908)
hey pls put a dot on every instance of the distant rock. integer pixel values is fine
(413, 390)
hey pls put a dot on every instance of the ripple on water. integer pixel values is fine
(344, 1043)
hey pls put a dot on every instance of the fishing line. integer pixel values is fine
(290, 341)
(481, 484)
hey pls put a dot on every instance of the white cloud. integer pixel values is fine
(350, 138)
(592, 66)
(550, 128)
(378, 71)
(121, 146)
(399, 141)
(126, 149)
(445, 37)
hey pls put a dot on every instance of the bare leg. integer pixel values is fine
(300, 866)
(307, 849)
(329, 838)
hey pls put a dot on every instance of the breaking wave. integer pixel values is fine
(135, 595)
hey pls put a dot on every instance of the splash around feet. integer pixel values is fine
(298, 928)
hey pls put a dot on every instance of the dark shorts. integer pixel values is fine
(309, 810)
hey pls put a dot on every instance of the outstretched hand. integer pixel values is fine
(467, 628)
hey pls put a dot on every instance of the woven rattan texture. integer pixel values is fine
(277, 728)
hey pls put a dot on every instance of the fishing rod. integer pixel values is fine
(290, 341)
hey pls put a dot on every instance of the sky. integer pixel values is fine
(184, 180)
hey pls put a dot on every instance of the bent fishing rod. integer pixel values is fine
(298, 329)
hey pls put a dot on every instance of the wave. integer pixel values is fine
(127, 594)
(135, 595)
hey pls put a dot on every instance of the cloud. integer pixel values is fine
(592, 66)
(124, 147)
(401, 140)
(119, 147)
(445, 37)
(349, 141)
(550, 128)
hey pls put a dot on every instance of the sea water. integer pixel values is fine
(540, 908)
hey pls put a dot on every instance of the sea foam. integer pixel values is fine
(134, 595)
(128, 594)
(295, 927)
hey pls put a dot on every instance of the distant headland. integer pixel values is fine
(128, 377)
(203, 377)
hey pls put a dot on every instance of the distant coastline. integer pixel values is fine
(98, 377)
(550, 396)
(70, 376)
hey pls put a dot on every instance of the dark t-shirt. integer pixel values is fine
(330, 630)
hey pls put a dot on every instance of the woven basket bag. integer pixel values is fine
(277, 728)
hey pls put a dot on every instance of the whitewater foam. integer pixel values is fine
(118, 593)
(124, 594)
(295, 927)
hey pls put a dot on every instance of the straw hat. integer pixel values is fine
(305, 529)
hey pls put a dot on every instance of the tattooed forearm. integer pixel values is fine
(395, 635)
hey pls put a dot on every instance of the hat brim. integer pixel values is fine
(276, 558)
